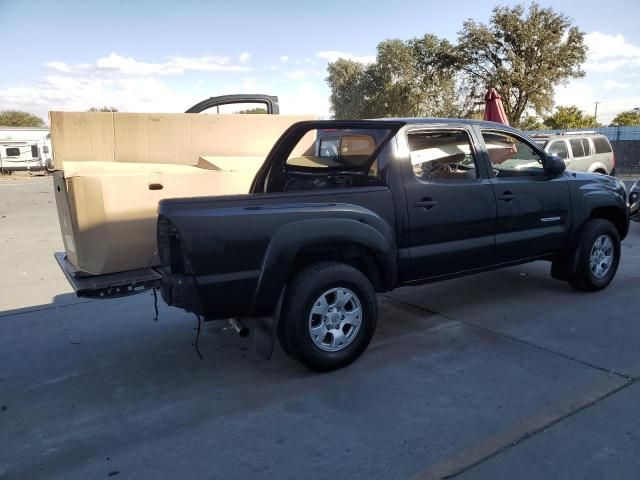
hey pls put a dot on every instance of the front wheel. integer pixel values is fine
(598, 256)
(329, 316)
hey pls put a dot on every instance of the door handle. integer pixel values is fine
(506, 196)
(426, 203)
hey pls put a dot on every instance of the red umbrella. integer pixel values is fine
(493, 109)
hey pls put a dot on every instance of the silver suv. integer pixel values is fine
(581, 151)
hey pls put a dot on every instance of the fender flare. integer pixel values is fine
(289, 239)
(590, 202)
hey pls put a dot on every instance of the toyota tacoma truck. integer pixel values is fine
(343, 210)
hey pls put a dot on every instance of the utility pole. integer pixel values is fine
(595, 115)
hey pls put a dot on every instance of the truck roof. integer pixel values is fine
(423, 121)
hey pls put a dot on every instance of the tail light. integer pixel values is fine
(172, 256)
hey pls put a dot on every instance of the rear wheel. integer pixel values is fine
(598, 256)
(329, 316)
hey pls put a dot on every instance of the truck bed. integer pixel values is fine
(110, 285)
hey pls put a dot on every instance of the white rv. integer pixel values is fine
(24, 148)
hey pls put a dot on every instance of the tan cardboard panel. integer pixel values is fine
(81, 136)
(114, 168)
(173, 138)
(149, 138)
(108, 210)
(230, 164)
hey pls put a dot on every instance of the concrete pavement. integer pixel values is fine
(508, 374)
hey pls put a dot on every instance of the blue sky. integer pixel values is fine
(165, 56)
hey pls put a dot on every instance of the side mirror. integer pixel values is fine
(554, 165)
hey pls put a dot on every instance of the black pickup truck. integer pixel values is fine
(342, 210)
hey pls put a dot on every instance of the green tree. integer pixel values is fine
(17, 118)
(524, 54)
(346, 80)
(103, 109)
(253, 110)
(628, 118)
(570, 117)
(408, 79)
(530, 122)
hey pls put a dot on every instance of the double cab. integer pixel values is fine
(343, 210)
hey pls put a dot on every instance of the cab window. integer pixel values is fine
(511, 156)
(442, 155)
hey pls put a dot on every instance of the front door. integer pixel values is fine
(533, 216)
(450, 202)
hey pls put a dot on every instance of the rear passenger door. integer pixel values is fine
(450, 203)
(533, 216)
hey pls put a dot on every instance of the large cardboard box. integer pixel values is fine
(112, 169)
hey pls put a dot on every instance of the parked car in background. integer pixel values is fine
(634, 201)
(581, 151)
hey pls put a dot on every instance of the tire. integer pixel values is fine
(599, 237)
(328, 316)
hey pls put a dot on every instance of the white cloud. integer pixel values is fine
(297, 75)
(249, 85)
(244, 57)
(131, 84)
(576, 93)
(614, 85)
(610, 107)
(584, 95)
(172, 66)
(612, 65)
(306, 98)
(333, 55)
(602, 46)
(63, 92)
(59, 66)
(606, 66)
(610, 52)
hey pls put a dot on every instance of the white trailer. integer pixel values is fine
(23, 148)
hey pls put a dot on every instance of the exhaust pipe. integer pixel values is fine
(241, 329)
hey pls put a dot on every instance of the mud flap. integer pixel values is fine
(265, 332)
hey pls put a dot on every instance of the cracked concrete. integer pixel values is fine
(508, 374)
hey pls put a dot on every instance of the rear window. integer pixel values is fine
(13, 152)
(586, 146)
(601, 145)
(577, 147)
(337, 149)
